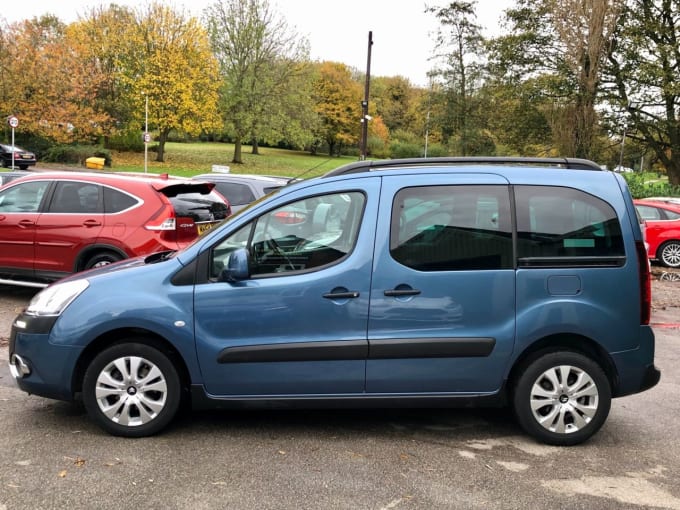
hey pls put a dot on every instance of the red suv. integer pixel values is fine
(56, 223)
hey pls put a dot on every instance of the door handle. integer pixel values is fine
(341, 295)
(26, 223)
(401, 292)
(91, 223)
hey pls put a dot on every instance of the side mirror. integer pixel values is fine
(238, 266)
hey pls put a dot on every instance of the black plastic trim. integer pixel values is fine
(543, 262)
(298, 351)
(430, 348)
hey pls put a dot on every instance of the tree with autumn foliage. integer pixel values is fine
(54, 90)
(338, 103)
(171, 64)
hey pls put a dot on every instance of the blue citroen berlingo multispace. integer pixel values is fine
(422, 282)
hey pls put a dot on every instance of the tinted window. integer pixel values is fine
(200, 206)
(116, 201)
(564, 222)
(76, 197)
(647, 212)
(236, 194)
(300, 236)
(25, 197)
(444, 228)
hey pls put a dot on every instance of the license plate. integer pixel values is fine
(204, 227)
(26, 156)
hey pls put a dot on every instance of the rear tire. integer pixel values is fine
(102, 259)
(562, 398)
(669, 254)
(132, 390)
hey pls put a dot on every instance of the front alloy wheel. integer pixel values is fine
(562, 398)
(131, 390)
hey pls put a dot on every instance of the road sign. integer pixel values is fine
(12, 121)
(146, 137)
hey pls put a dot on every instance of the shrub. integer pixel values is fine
(76, 154)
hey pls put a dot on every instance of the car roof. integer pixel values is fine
(156, 181)
(270, 179)
(462, 162)
(656, 202)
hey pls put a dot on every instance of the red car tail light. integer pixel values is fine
(290, 217)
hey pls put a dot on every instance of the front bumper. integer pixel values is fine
(38, 366)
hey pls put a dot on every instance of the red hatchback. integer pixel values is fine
(662, 219)
(56, 223)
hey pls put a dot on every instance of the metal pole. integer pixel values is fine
(146, 131)
(364, 103)
(13, 153)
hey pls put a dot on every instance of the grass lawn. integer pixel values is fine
(187, 159)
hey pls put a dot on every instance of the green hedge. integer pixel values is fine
(76, 154)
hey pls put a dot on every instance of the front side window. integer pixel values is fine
(300, 236)
(22, 198)
(556, 222)
(448, 228)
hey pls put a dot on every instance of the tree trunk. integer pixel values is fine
(255, 147)
(238, 158)
(162, 138)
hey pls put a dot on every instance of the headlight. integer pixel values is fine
(55, 298)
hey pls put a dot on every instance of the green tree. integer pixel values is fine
(459, 54)
(263, 76)
(644, 86)
(171, 64)
(563, 44)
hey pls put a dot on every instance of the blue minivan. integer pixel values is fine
(413, 283)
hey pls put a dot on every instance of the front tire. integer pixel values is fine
(669, 254)
(562, 398)
(132, 390)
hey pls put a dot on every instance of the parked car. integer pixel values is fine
(242, 189)
(56, 223)
(22, 158)
(5, 177)
(422, 282)
(662, 220)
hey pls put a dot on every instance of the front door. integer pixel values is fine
(442, 311)
(19, 214)
(297, 326)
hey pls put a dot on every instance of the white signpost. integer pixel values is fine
(13, 123)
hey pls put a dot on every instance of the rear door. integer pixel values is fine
(298, 325)
(73, 220)
(442, 311)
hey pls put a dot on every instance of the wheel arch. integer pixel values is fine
(94, 249)
(124, 335)
(564, 342)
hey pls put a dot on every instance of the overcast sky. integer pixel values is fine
(337, 30)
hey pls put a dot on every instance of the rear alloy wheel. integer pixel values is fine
(102, 259)
(132, 390)
(562, 398)
(669, 254)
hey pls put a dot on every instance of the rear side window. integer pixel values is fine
(236, 193)
(116, 201)
(557, 222)
(446, 228)
(76, 198)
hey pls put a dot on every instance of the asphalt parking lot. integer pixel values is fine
(53, 457)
